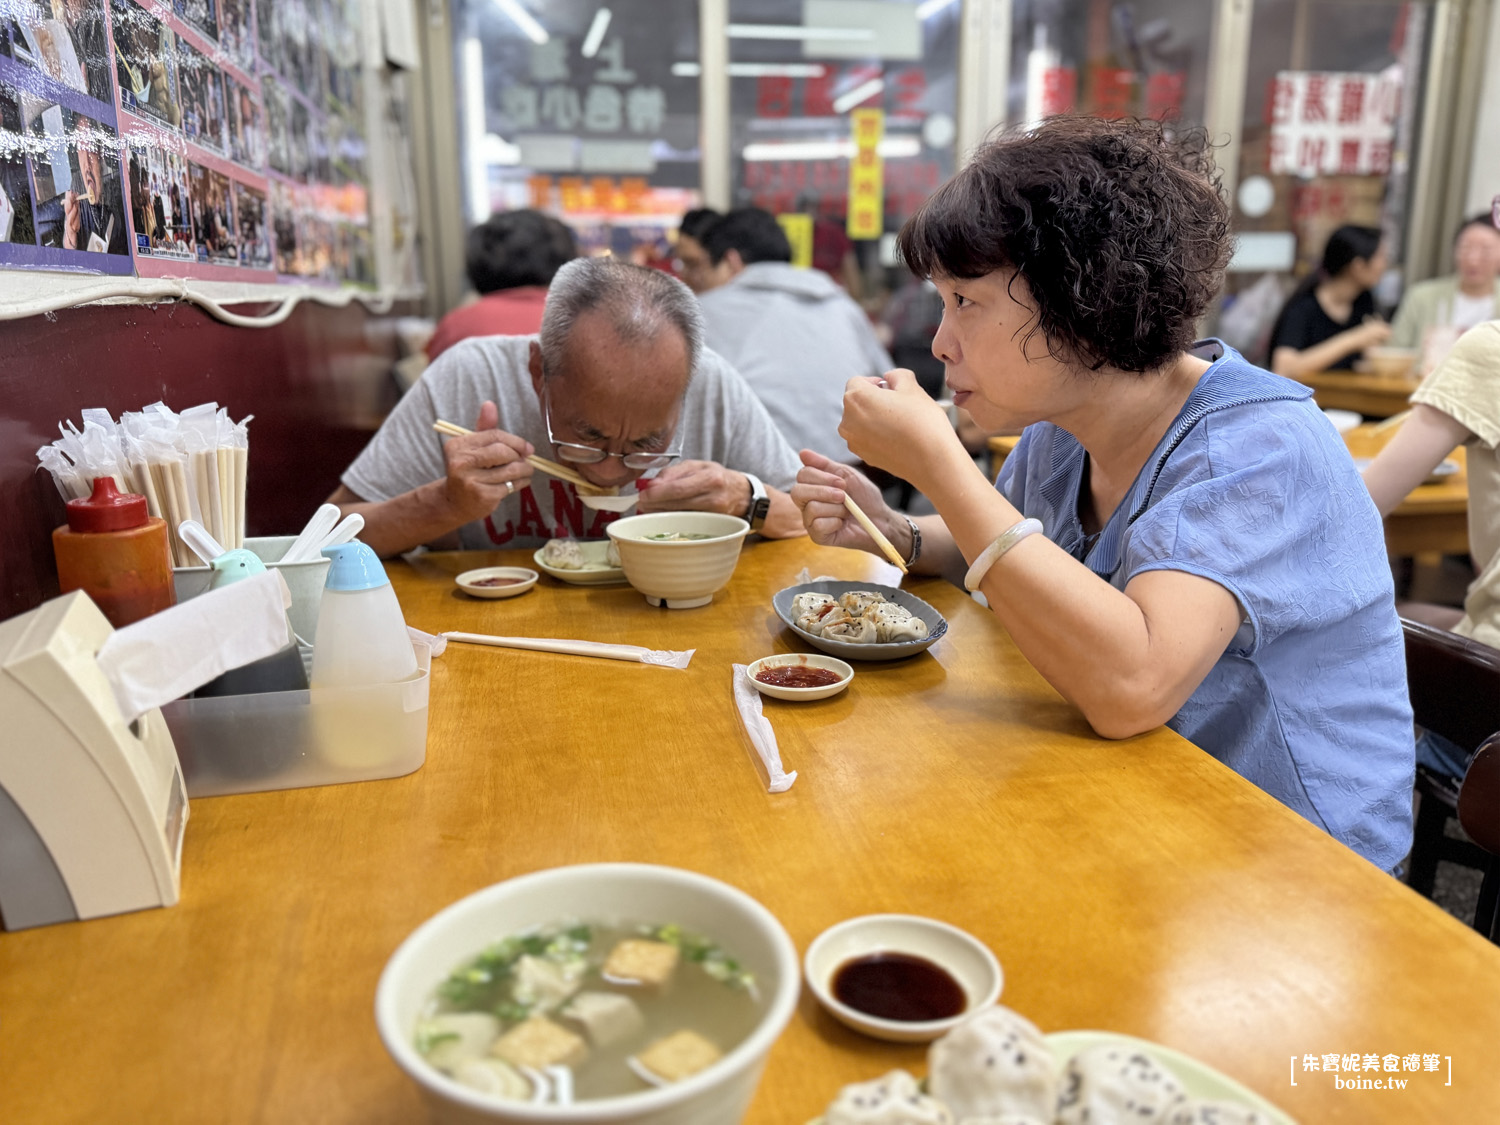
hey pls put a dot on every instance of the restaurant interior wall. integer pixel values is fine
(317, 373)
(791, 85)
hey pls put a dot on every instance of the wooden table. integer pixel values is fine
(1375, 396)
(1434, 519)
(1137, 886)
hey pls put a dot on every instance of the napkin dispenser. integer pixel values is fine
(92, 809)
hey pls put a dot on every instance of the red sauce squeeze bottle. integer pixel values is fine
(115, 552)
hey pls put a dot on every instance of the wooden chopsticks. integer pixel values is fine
(551, 468)
(874, 533)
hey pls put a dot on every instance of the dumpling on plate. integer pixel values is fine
(1198, 1111)
(1111, 1084)
(808, 602)
(895, 623)
(563, 554)
(819, 617)
(612, 554)
(994, 1063)
(855, 602)
(850, 630)
(895, 1099)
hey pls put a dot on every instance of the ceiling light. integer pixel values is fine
(755, 70)
(932, 7)
(891, 148)
(796, 31)
(865, 90)
(524, 20)
(595, 38)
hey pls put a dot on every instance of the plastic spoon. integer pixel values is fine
(347, 529)
(306, 545)
(196, 536)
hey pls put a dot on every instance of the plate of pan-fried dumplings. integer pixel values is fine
(860, 621)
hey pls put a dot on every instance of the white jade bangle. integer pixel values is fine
(991, 554)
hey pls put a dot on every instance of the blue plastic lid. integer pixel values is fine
(234, 565)
(354, 567)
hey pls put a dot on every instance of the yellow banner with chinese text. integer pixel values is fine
(866, 175)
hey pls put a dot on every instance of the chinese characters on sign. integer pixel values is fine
(607, 102)
(1330, 124)
(866, 179)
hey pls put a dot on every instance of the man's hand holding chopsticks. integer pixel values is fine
(484, 467)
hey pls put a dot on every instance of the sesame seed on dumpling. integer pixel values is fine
(895, 1099)
(1198, 1111)
(1113, 1085)
(996, 1062)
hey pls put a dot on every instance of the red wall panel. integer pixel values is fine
(317, 384)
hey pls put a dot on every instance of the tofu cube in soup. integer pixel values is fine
(607, 1017)
(678, 1056)
(496, 1078)
(546, 985)
(647, 963)
(457, 1037)
(540, 1043)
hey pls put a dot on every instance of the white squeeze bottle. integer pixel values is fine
(362, 636)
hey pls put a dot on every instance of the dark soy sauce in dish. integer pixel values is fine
(898, 986)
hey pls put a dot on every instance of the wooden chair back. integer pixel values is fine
(1454, 684)
(1479, 798)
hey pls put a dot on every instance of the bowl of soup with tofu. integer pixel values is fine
(621, 993)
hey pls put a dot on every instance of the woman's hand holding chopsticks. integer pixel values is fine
(484, 467)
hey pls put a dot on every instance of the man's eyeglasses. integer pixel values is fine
(589, 455)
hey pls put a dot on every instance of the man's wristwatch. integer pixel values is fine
(760, 503)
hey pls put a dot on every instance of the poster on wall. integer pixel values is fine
(159, 213)
(61, 190)
(184, 138)
(1333, 124)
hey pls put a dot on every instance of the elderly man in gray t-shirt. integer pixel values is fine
(617, 384)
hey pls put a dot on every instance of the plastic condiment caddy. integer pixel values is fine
(289, 739)
(363, 719)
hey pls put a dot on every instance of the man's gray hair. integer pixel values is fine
(639, 302)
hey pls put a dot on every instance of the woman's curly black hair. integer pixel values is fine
(1118, 228)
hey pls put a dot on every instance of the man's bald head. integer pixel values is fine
(642, 308)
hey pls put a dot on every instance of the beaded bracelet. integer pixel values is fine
(991, 554)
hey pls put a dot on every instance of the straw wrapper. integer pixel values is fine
(758, 727)
(662, 658)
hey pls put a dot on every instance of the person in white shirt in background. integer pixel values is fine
(1435, 313)
(793, 333)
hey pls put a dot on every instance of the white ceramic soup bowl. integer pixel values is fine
(720, 1094)
(683, 574)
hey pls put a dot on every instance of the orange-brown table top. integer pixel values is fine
(1134, 886)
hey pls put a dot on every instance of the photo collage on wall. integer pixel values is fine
(62, 196)
(220, 139)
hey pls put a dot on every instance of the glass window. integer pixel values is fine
(1329, 131)
(798, 70)
(1109, 59)
(576, 108)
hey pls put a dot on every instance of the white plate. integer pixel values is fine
(967, 959)
(598, 573)
(467, 579)
(804, 694)
(1199, 1079)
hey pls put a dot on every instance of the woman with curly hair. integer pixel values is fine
(1179, 537)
